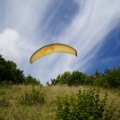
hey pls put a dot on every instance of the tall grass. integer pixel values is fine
(14, 110)
(86, 105)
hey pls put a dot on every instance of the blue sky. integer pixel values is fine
(108, 55)
(92, 27)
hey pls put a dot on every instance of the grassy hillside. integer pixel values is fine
(14, 107)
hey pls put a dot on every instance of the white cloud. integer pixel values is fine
(12, 47)
(9, 43)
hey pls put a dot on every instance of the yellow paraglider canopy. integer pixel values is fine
(52, 48)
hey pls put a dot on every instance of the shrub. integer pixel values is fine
(4, 102)
(5, 83)
(113, 77)
(10, 72)
(64, 78)
(2, 92)
(85, 105)
(33, 97)
(77, 78)
(31, 80)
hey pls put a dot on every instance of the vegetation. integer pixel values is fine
(34, 97)
(75, 78)
(86, 105)
(10, 74)
(17, 103)
(71, 96)
(4, 102)
(31, 80)
(108, 79)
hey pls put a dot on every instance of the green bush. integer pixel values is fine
(108, 79)
(4, 102)
(36, 96)
(63, 78)
(2, 92)
(77, 78)
(113, 77)
(9, 72)
(85, 105)
(29, 80)
(5, 84)
(74, 78)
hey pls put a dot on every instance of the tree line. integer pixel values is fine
(110, 78)
(10, 74)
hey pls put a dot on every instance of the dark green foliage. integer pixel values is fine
(4, 102)
(85, 105)
(75, 78)
(64, 78)
(30, 80)
(113, 77)
(109, 79)
(2, 92)
(5, 83)
(34, 97)
(9, 72)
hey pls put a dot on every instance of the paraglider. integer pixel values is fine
(52, 48)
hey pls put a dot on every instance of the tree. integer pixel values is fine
(30, 80)
(9, 72)
(2, 67)
(113, 77)
(77, 78)
(63, 78)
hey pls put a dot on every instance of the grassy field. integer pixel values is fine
(11, 109)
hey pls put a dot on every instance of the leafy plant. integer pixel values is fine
(108, 79)
(85, 105)
(4, 102)
(9, 72)
(30, 80)
(33, 97)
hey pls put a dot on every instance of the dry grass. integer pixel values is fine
(46, 111)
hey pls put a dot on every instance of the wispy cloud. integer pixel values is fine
(30, 25)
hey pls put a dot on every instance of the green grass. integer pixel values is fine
(12, 109)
